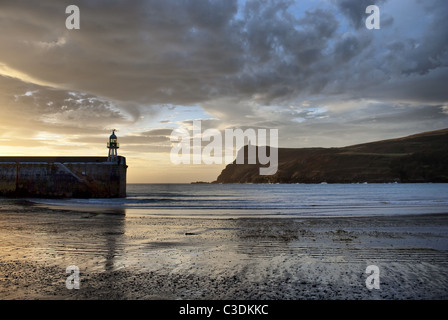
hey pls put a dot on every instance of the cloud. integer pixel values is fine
(245, 63)
(29, 109)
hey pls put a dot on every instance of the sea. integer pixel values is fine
(267, 200)
(190, 241)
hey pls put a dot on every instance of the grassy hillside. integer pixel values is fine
(418, 158)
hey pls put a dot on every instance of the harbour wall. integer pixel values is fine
(63, 177)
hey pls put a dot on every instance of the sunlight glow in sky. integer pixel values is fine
(310, 69)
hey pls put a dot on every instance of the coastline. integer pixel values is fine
(135, 257)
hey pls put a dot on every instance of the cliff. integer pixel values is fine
(418, 158)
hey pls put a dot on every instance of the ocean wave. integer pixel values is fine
(273, 200)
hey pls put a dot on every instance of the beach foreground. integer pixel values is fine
(146, 257)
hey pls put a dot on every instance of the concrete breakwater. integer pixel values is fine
(63, 177)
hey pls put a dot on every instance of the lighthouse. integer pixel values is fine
(113, 145)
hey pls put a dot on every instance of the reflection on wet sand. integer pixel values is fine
(62, 237)
(125, 256)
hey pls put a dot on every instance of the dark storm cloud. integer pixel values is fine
(348, 47)
(149, 52)
(283, 53)
(232, 59)
(171, 51)
(144, 51)
(431, 51)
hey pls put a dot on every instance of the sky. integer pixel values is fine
(310, 69)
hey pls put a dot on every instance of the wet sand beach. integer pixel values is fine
(123, 256)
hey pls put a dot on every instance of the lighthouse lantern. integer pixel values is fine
(113, 145)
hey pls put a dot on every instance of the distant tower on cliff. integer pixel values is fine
(113, 145)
